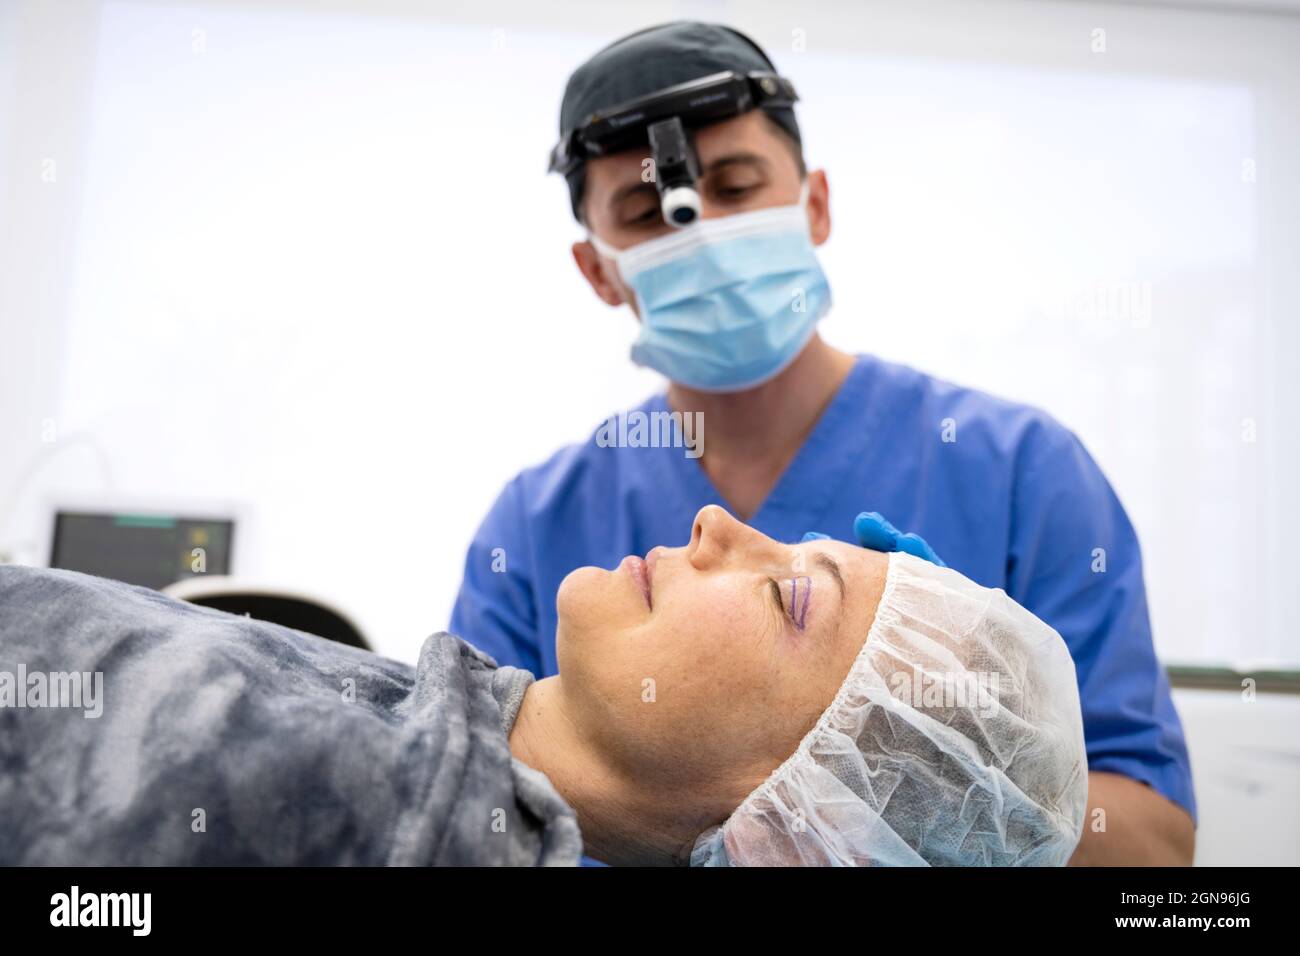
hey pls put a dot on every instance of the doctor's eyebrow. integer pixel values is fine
(742, 158)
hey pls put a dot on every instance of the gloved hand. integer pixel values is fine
(874, 532)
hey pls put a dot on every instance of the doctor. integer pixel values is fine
(683, 159)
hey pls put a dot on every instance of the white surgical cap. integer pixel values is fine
(955, 740)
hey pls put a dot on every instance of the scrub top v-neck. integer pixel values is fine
(840, 439)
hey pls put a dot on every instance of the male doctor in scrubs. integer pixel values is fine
(701, 219)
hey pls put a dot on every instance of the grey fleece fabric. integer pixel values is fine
(224, 740)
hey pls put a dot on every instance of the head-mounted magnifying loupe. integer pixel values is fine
(663, 121)
(676, 171)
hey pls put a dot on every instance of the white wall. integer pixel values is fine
(1246, 770)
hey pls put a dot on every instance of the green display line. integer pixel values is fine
(1225, 678)
(143, 521)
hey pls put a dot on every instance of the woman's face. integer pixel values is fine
(702, 667)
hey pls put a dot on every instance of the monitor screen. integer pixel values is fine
(153, 550)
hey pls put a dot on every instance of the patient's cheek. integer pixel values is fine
(579, 600)
(741, 623)
(727, 645)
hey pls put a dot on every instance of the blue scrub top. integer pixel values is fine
(1014, 502)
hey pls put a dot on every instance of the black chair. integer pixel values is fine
(302, 612)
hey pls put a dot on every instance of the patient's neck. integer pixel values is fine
(618, 818)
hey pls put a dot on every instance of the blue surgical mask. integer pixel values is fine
(728, 303)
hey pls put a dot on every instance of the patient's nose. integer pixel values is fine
(717, 538)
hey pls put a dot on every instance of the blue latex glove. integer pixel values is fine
(874, 532)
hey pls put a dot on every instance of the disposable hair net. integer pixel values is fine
(955, 740)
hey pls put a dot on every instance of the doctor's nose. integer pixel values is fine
(717, 538)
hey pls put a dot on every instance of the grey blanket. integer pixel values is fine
(216, 739)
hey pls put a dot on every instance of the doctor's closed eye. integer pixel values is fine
(637, 206)
(734, 180)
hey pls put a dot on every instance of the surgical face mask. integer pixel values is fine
(728, 303)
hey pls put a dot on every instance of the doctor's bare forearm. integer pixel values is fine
(1139, 826)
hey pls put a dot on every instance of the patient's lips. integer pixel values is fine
(651, 560)
(637, 569)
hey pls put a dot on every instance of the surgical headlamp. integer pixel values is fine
(661, 120)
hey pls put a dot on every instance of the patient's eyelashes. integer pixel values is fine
(777, 598)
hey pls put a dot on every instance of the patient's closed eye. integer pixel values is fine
(777, 599)
(800, 589)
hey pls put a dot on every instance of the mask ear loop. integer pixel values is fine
(603, 247)
(803, 205)
(609, 252)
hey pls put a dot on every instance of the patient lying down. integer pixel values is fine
(732, 702)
